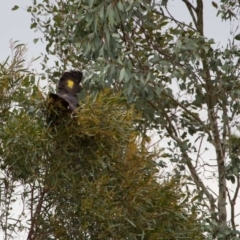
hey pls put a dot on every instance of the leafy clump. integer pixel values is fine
(96, 178)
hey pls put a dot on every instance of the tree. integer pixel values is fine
(142, 49)
(90, 176)
(18, 95)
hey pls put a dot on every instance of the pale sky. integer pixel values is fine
(15, 25)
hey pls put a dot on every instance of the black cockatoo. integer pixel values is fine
(68, 87)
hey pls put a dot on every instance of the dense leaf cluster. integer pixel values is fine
(185, 85)
(89, 176)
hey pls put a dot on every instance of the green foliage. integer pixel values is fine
(185, 86)
(19, 96)
(15, 8)
(229, 9)
(87, 176)
(97, 182)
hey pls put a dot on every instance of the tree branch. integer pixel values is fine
(32, 231)
(199, 183)
(191, 10)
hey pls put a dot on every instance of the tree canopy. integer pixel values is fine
(87, 176)
(184, 86)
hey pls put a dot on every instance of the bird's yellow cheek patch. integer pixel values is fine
(70, 83)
